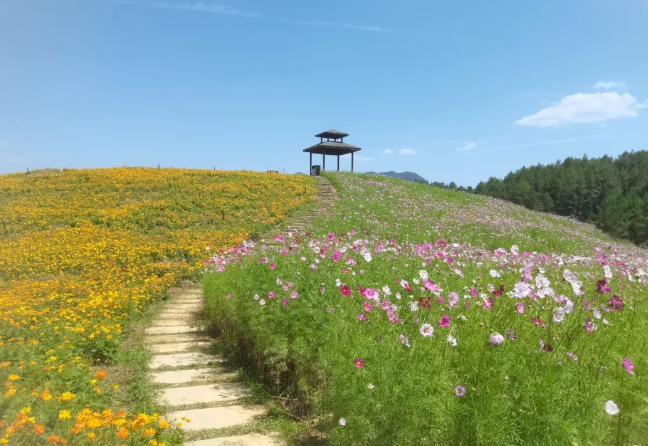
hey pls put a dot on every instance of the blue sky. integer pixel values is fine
(453, 90)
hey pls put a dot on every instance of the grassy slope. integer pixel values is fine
(305, 338)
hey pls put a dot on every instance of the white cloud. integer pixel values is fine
(585, 108)
(609, 85)
(407, 152)
(214, 8)
(467, 147)
(388, 151)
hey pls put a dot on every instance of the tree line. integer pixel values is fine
(611, 193)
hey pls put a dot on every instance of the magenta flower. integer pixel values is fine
(273, 265)
(460, 391)
(284, 302)
(362, 317)
(271, 295)
(615, 303)
(359, 363)
(603, 287)
(367, 307)
(473, 291)
(488, 304)
(346, 290)
(444, 321)
(628, 365)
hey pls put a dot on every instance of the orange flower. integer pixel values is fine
(122, 433)
(39, 429)
(100, 374)
(149, 432)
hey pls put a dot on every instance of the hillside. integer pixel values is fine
(413, 315)
(611, 193)
(83, 255)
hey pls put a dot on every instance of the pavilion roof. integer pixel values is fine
(332, 133)
(332, 148)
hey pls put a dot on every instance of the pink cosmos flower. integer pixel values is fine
(271, 295)
(362, 317)
(473, 291)
(589, 325)
(273, 265)
(367, 307)
(346, 290)
(294, 294)
(519, 307)
(496, 339)
(444, 321)
(359, 363)
(628, 365)
(488, 304)
(284, 302)
(453, 299)
(460, 391)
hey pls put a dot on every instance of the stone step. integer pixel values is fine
(182, 360)
(240, 440)
(178, 347)
(175, 338)
(207, 393)
(215, 417)
(171, 377)
(180, 329)
(178, 321)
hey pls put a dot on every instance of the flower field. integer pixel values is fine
(82, 252)
(418, 316)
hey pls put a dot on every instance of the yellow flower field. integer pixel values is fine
(81, 252)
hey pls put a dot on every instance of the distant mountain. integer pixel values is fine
(408, 176)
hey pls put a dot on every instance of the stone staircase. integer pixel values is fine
(326, 198)
(195, 386)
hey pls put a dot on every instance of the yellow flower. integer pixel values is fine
(66, 396)
(164, 424)
(13, 377)
(64, 414)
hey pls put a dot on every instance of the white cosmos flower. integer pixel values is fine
(597, 313)
(386, 290)
(398, 295)
(611, 408)
(256, 297)
(367, 256)
(338, 283)
(558, 314)
(416, 281)
(423, 274)
(452, 340)
(427, 330)
(262, 302)
(413, 306)
(607, 271)
(494, 273)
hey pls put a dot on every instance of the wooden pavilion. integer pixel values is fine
(331, 147)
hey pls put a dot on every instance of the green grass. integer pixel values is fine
(518, 393)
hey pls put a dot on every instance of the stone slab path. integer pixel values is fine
(194, 385)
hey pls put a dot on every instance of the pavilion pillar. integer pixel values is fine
(351, 161)
(323, 161)
(338, 163)
(310, 163)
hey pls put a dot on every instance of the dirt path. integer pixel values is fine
(194, 384)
